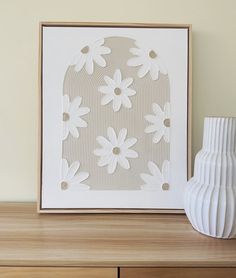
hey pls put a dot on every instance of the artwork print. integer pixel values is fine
(114, 117)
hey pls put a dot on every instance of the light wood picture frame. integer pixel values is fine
(115, 117)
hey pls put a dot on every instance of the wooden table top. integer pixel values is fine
(30, 239)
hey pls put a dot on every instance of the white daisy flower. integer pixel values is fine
(70, 179)
(148, 59)
(115, 150)
(117, 91)
(158, 179)
(72, 116)
(160, 123)
(90, 54)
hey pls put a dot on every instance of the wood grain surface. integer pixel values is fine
(127, 240)
(177, 272)
(57, 272)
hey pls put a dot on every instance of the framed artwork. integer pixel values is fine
(115, 131)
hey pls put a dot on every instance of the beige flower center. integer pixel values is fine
(117, 91)
(66, 117)
(85, 49)
(165, 186)
(64, 185)
(152, 54)
(116, 150)
(167, 122)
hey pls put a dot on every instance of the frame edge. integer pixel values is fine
(189, 114)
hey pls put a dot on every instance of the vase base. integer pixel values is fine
(213, 236)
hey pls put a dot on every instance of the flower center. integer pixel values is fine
(165, 186)
(66, 117)
(64, 185)
(116, 150)
(152, 54)
(167, 122)
(85, 49)
(117, 91)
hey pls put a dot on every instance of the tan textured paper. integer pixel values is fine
(100, 117)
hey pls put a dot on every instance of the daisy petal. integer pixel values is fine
(105, 90)
(110, 82)
(129, 143)
(157, 137)
(82, 176)
(148, 179)
(81, 61)
(122, 136)
(143, 70)
(112, 136)
(167, 134)
(104, 160)
(135, 61)
(112, 166)
(154, 71)
(75, 104)
(130, 92)
(104, 142)
(126, 83)
(167, 110)
(131, 154)
(152, 119)
(157, 109)
(116, 104)
(74, 167)
(124, 163)
(126, 102)
(82, 111)
(73, 130)
(155, 171)
(101, 152)
(106, 99)
(65, 131)
(78, 122)
(117, 77)
(76, 180)
(98, 43)
(150, 129)
(99, 60)
(136, 51)
(89, 65)
(104, 50)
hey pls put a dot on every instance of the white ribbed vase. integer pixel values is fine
(210, 198)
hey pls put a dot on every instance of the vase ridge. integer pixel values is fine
(210, 199)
